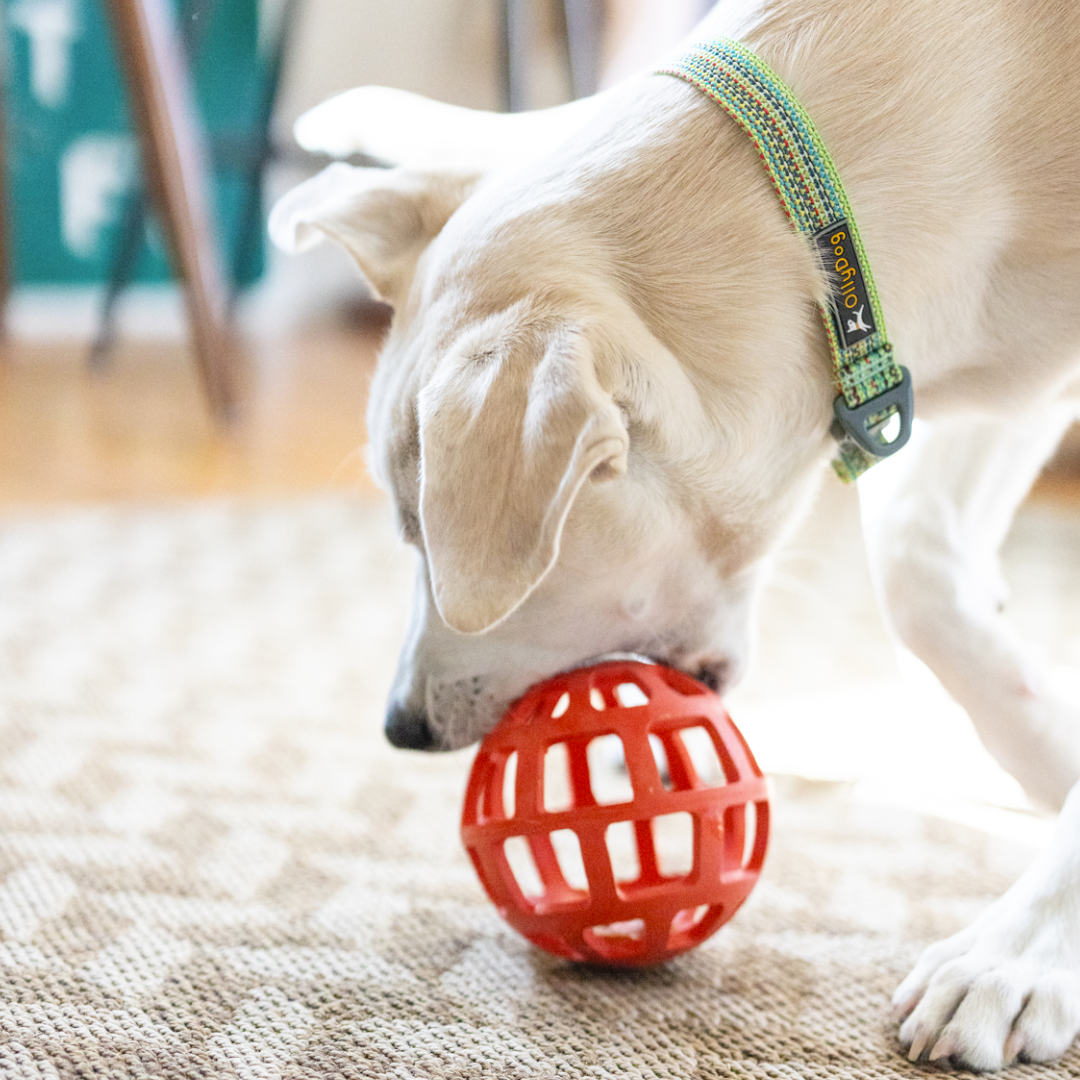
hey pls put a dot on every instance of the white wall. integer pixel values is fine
(445, 49)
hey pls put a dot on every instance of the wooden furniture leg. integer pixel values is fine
(5, 212)
(251, 221)
(514, 53)
(584, 27)
(174, 164)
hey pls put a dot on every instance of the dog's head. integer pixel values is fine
(590, 441)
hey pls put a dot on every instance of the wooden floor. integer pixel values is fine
(140, 430)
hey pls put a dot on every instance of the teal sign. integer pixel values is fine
(71, 157)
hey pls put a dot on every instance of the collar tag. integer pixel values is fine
(852, 314)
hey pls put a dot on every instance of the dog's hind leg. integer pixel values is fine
(1007, 987)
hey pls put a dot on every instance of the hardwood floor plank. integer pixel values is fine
(140, 429)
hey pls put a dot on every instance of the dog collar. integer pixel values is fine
(873, 388)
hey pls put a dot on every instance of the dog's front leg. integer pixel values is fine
(1009, 985)
(934, 518)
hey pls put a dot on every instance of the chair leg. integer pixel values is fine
(584, 27)
(250, 220)
(129, 244)
(174, 163)
(5, 211)
(514, 53)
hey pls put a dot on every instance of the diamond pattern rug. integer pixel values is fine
(211, 865)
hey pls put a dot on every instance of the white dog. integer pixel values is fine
(606, 395)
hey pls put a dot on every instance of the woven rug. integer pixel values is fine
(211, 865)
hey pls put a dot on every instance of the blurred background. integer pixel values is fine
(100, 389)
(114, 389)
(100, 393)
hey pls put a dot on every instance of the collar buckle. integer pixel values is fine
(871, 425)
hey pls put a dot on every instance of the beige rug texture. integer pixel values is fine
(211, 865)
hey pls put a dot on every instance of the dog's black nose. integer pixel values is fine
(408, 729)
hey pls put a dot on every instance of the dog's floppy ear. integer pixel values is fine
(384, 217)
(508, 435)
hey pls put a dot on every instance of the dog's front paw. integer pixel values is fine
(1005, 989)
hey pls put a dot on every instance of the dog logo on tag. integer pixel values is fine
(849, 301)
(858, 323)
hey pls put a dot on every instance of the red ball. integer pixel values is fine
(616, 815)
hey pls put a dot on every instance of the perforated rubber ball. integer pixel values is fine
(616, 815)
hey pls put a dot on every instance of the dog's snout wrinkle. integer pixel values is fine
(408, 729)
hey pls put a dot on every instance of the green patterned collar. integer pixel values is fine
(873, 388)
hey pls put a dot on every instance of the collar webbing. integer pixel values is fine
(872, 386)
